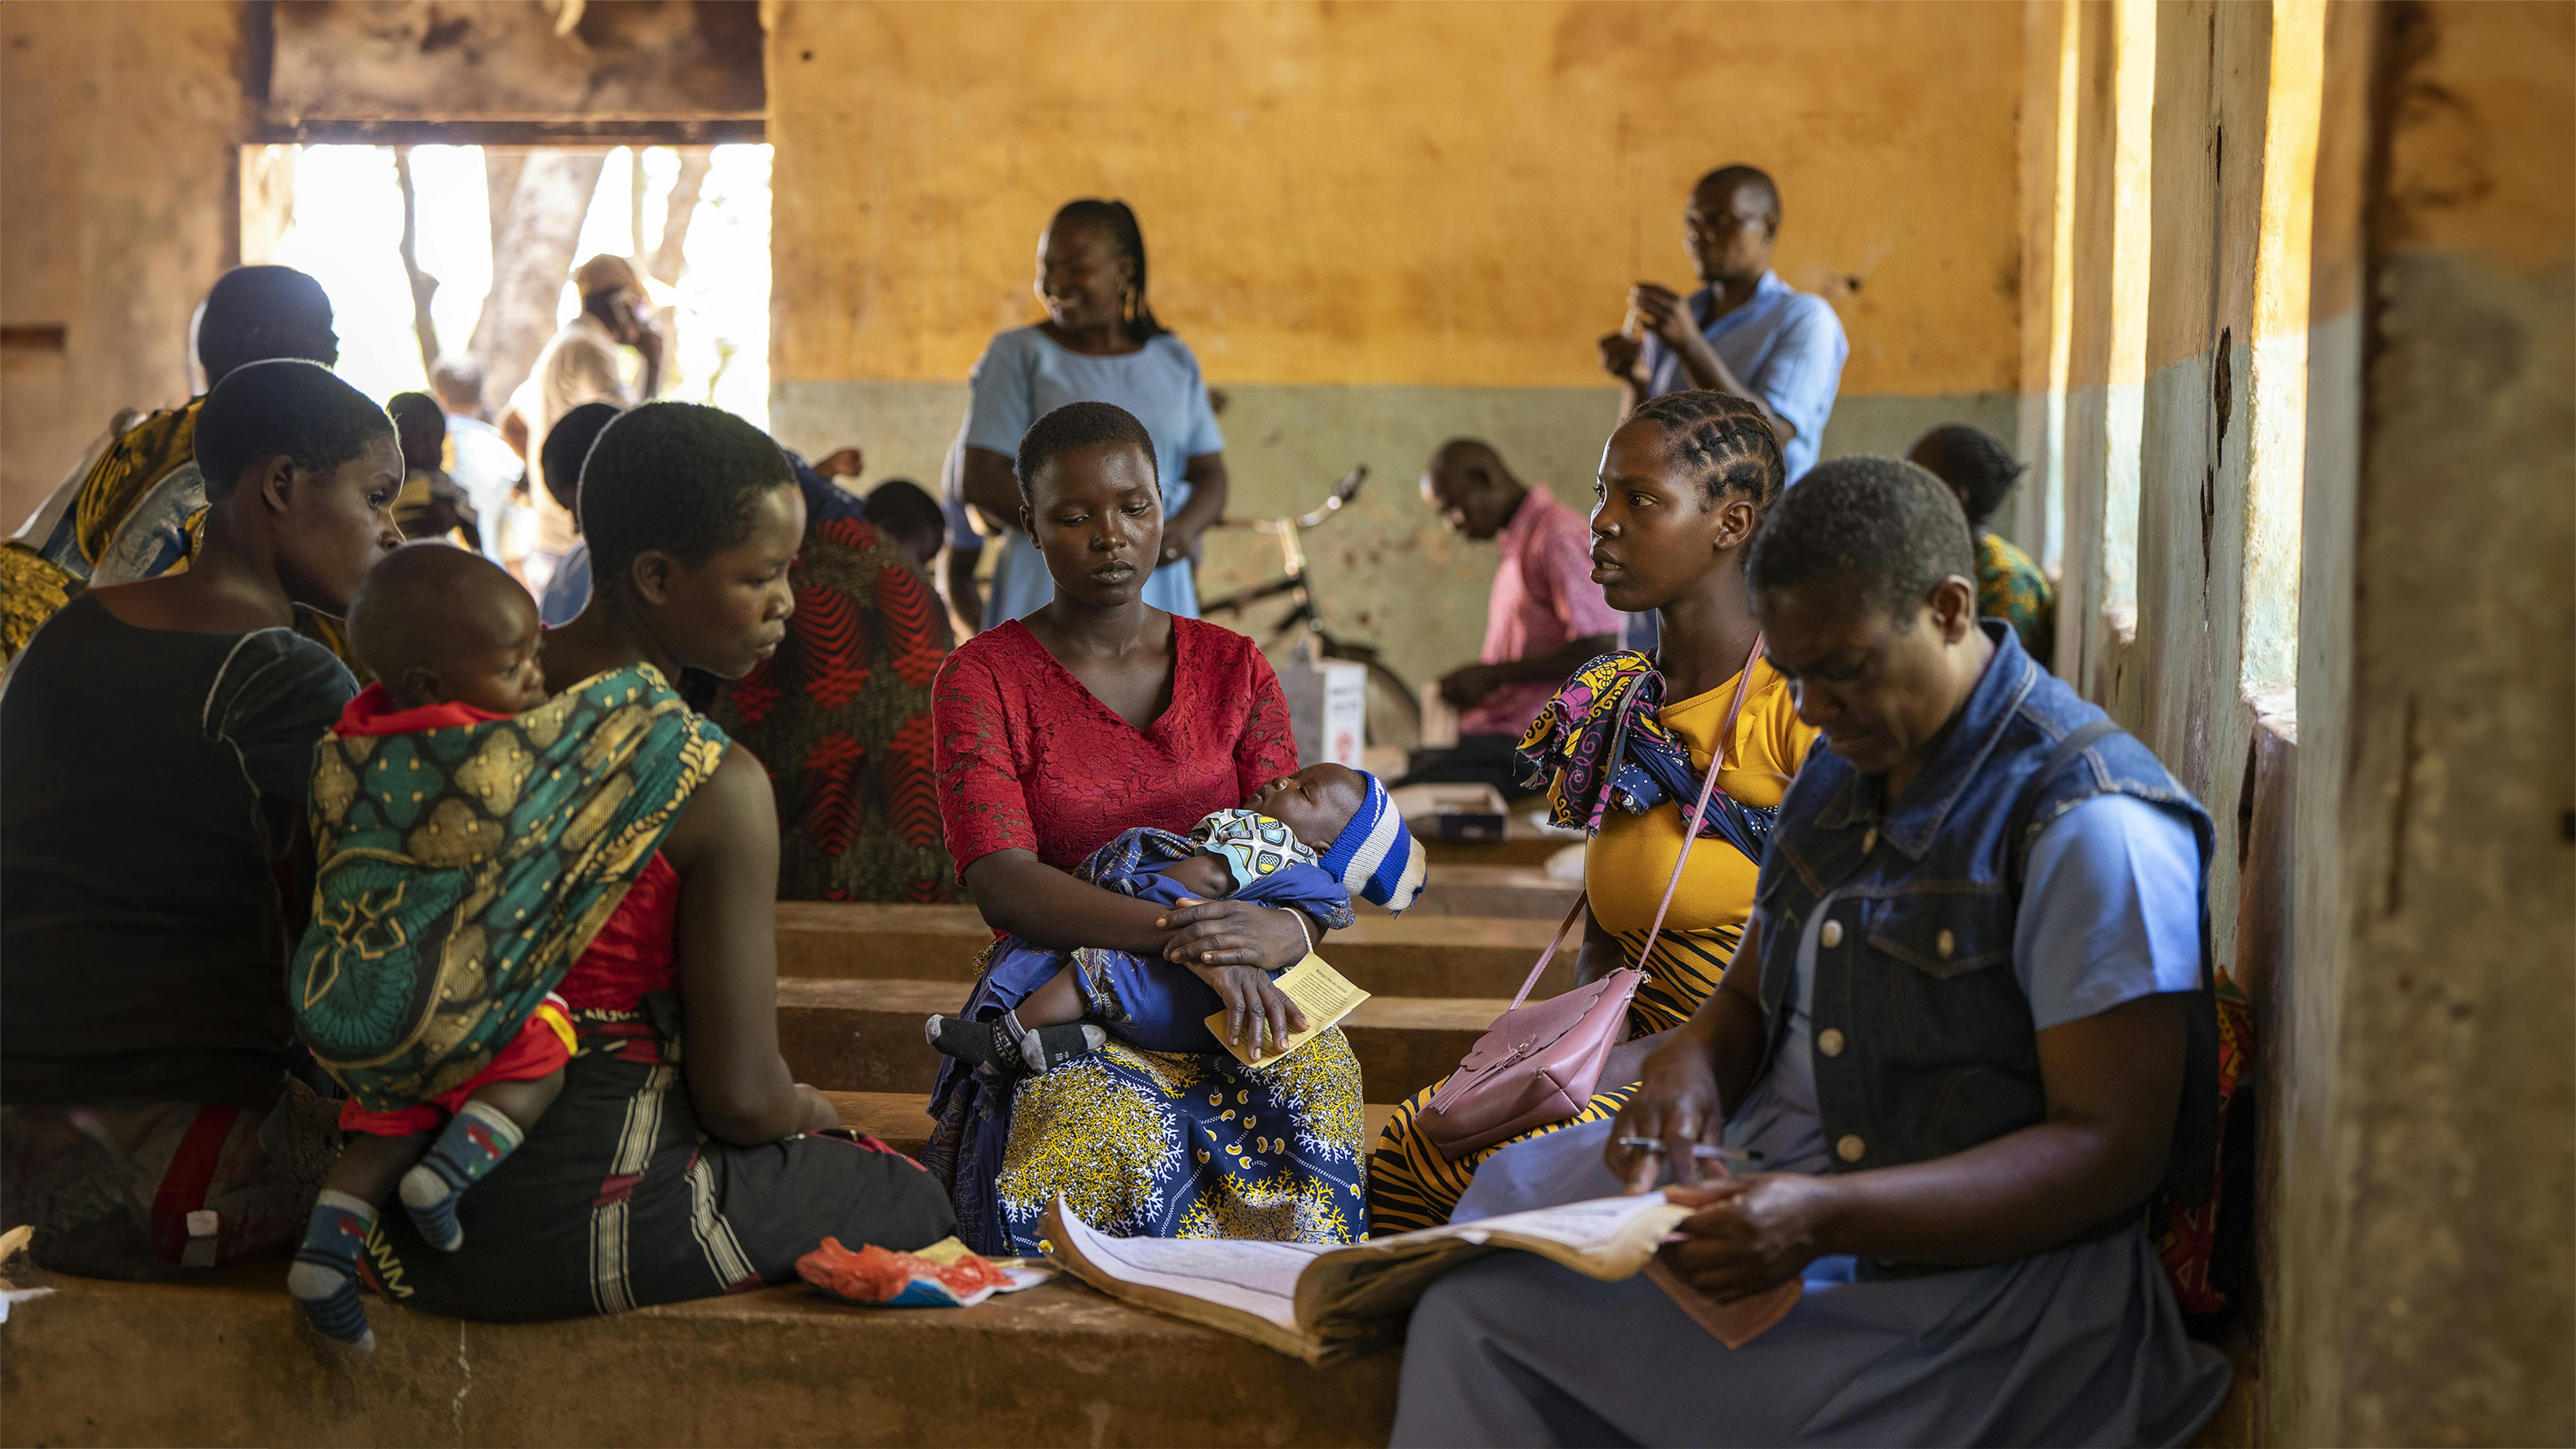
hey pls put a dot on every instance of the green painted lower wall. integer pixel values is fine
(1384, 569)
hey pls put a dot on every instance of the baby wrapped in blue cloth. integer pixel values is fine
(1306, 841)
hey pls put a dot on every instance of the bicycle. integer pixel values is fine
(1394, 709)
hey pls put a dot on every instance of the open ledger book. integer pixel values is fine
(1319, 1301)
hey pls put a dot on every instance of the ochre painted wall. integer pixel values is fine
(118, 184)
(1379, 225)
(1395, 193)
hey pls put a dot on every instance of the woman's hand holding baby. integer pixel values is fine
(1259, 1017)
(1233, 933)
(1233, 946)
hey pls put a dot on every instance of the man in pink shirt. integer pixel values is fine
(1545, 620)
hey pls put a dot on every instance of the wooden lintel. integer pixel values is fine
(703, 131)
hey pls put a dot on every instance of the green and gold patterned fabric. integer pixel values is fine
(464, 869)
(2010, 587)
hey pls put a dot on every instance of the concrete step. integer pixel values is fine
(1416, 955)
(1532, 849)
(1511, 891)
(223, 1358)
(865, 1036)
(902, 1119)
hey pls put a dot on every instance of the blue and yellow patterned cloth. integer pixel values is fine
(1161, 1132)
(464, 869)
(1251, 844)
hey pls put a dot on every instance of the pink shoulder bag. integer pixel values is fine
(1540, 1064)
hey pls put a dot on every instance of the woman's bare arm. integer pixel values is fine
(1044, 906)
(725, 849)
(986, 480)
(1208, 487)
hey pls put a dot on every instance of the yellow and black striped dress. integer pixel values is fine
(1625, 869)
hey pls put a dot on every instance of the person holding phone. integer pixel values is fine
(580, 364)
(1744, 332)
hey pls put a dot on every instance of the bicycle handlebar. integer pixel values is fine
(1343, 492)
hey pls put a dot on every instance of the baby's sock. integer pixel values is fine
(1049, 1047)
(475, 1141)
(324, 1279)
(994, 1044)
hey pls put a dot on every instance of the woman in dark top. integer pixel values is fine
(155, 743)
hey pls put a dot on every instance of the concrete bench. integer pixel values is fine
(865, 1036)
(223, 1358)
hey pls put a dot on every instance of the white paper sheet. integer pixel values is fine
(1582, 1226)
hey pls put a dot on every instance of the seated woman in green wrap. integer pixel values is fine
(612, 848)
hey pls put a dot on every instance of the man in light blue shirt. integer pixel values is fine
(1745, 331)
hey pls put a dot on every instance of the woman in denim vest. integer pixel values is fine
(1968, 1041)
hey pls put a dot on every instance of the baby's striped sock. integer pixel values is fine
(474, 1143)
(324, 1279)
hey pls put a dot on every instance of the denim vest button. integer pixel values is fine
(1832, 935)
(1830, 1042)
(1850, 1148)
(1944, 944)
(1869, 840)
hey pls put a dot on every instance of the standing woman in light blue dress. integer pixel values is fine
(1100, 343)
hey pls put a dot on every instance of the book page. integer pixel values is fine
(1608, 1238)
(1259, 1279)
(1609, 1228)
(1324, 994)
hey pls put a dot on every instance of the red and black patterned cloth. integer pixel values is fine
(840, 716)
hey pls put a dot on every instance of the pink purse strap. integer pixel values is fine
(1690, 836)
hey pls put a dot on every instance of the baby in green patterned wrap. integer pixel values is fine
(1299, 816)
(452, 641)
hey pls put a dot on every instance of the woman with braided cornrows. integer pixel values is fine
(1099, 343)
(1684, 483)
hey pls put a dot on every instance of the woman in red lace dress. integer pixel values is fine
(1052, 734)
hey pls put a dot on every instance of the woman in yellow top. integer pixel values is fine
(1684, 484)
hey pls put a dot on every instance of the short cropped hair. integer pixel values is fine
(416, 410)
(684, 478)
(567, 443)
(1878, 530)
(1073, 427)
(1738, 175)
(287, 407)
(1725, 443)
(1973, 461)
(901, 505)
(258, 313)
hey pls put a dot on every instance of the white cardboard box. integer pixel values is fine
(1328, 707)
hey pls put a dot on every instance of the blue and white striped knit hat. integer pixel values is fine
(1375, 857)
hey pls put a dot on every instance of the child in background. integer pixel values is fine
(453, 640)
(558, 471)
(909, 518)
(431, 504)
(1305, 841)
(1980, 472)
